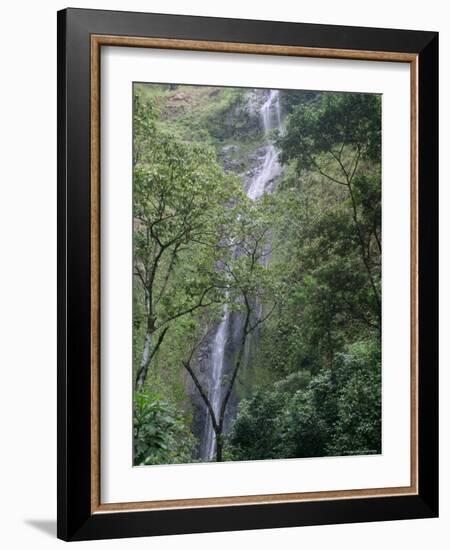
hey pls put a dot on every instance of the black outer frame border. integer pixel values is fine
(75, 521)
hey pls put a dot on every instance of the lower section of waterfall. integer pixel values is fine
(216, 382)
(215, 359)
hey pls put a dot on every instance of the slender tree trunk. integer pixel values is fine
(148, 353)
(217, 429)
(218, 423)
(145, 361)
(219, 447)
(223, 408)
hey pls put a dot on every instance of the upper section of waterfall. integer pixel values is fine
(270, 168)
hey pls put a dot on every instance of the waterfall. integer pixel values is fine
(217, 362)
(271, 118)
(262, 182)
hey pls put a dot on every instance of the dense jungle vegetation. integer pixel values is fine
(299, 267)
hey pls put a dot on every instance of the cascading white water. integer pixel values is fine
(217, 361)
(261, 183)
(271, 118)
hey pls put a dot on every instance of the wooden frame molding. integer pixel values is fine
(235, 47)
(96, 42)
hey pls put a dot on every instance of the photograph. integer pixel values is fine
(257, 248)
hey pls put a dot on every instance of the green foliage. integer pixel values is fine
(352, 120)
(161, 435)
(295, 381)
(328, 235)
(307, 256)
(291, 99)
(337, 412)
(180, 209)
(358, 424)
(209, 115)
(189, 215)
(255, 433)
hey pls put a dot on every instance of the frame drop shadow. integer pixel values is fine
(46, 526)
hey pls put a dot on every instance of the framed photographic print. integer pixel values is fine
(247, 274)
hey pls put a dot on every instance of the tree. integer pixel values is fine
(341, 141)
(255, 434)
(251, 289)
(335, 412)
(160, 433)
(180, 198)
(357, 424)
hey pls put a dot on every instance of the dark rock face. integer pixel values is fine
(231, 159)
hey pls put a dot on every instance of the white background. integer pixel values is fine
(28, 289)
(119, 481)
